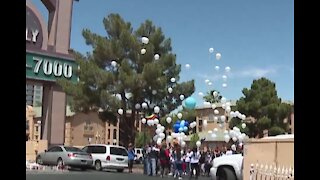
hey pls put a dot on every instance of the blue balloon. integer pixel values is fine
(185, 128)
(176, 126)
(180, 129)
(190, 103)
(177, 122)
(186, 123)
(176, 130)
(182, 123)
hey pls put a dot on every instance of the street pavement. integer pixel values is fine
(92, 175)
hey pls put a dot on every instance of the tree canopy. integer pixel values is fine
(117, 75)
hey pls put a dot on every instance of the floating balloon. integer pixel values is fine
(205, 123)
(243, 125)
(137, 106)
(211, 50)
(179, 115)
(206, 81)
(213, 135)
(187, 66)
(213, 106)
(218, 56)
(185, 128)
(169, 138)
(224, 85)
(200, 93)
(154, 92)
(236, 114)
(232, 115)
(145, 40)
(234, 139)
(223, 100)
(243, 117)
(221, 125)
(233, 147)
(169, 119)
(223, 106)
(143, 51)
(120, 111)
(156, 56)
(159, 142)
(228, 104)
(215, 130)
(156, 109)
(223, 118)
(209, 83)
(143, 120)
(144, 105)
(181, 97)
(158, 131)
(162, 135)
(180, 129)
(173, 80)
(113, 63)
(215, 93)
(216, 111)
(217, 68)
(183, 144)
(170, 90)
(224, 77)
(209, 132)
(198, 143)
(156, 121)
(227, 69)
(215, 119)
(228, 109)
(190, 103)
(226, 138)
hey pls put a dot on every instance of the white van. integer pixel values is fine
(108, 156)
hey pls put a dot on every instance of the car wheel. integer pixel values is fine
(120, 170)
(39, 160)
(226, 173)
(97, 165)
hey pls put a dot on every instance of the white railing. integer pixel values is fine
(269, 172)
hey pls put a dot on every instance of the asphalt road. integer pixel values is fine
(93, 175)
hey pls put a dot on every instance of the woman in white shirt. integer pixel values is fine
(194, 162)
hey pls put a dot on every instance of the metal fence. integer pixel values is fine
(269, 172)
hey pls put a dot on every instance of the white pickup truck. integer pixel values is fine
(227, 167)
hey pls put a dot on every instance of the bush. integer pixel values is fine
(275, 130)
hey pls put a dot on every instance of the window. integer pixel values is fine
(108, 133)
(118, 151)
(114, 134)
(211, 117)
(37, 128)
(72, 149)
(88, 125)
(55, 149)
(98, 149)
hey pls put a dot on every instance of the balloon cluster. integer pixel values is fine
(181, 126)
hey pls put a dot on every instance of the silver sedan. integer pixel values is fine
(65, 155)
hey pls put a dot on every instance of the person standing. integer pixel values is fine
(131, 156)
(164, 157)
(194, 161)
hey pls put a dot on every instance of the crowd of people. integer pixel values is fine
(173, 160)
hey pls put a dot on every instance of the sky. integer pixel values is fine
(255, 38)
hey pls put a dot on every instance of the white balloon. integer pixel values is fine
(224, 77)
(143, 120)
(183, 144)
(226, 138)
(198, 143)
(232, 114)
(158, 126)
(228, 104)
(234, 139)
(228, 109)
(162, 135)
(218, 56)
(179, 115)
(156, 109)
(144, 105)
(173, 80)
(226, 132)
(169, 119)
(200, 93)
(209, 132)
(169, 138)
(243, 125)
(213, 135)
(217, 68)
(236, 114)
(162, 128)
(233, 147)
(215, 130)
(227, 69)
(223, 100)
(215, 93)
(145, 40)
(215, 119)
(205, 123)
(120, 111)
(143, 51)
(156, 56)
(223, 118)
(113, 63)
(221, 126)
(159, 142)
(209, 83)
(213, 106)
(211, 50)
(206, 104)
(181, 97)
(156, 121)
(149, 123)
(206, 81)
(158, 131)
(216, 111)
(223, 106)
(137, 106)
(187, 66)
(224, 85)
(170, 90)
(243, 117)
(154, 92)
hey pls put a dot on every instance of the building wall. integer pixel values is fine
(270, 152)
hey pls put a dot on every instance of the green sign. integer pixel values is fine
(42, 67)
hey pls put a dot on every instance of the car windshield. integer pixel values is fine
(73, 149)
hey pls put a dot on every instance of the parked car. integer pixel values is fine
(227, 167)
(139, 156)
(108, 156)
(65, 155)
